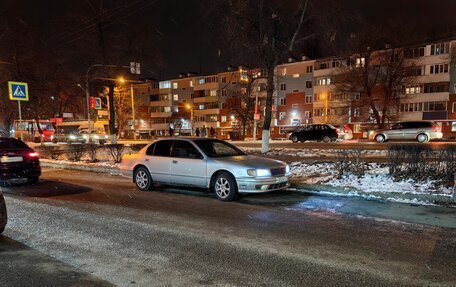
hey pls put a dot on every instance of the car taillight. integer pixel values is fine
(33, 154)
(436, 129)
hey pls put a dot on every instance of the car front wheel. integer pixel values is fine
(225, 187)
(143, 179)
(326, 139)
(422, 138)
(379, 138)
(294, 138)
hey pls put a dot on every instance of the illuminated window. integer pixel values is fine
(360, 62)
(191, 83)
(175, 85)
(284, 71)
(282, 115)
(213, 93)
(295, 75)
(223, 119)
(167, 109)
(176, 97)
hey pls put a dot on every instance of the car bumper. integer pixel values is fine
(261, 185)
(19, 173)
(433, 136)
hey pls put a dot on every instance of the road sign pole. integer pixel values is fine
(20, 117)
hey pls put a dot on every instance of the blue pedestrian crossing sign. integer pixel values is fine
(18, 91)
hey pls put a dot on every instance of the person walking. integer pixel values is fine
(204, 131)
(171, 131)
(197, 132)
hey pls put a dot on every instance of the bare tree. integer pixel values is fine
(242, 107)
(378, 77)
(262, 33)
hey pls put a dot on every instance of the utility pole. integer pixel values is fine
(112, 115)
(133, 110)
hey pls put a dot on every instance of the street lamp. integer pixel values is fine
(190, 107)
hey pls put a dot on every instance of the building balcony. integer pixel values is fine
(161, 114)
(206, 112)
(166, 103)
(210, 99)
(206, 86)
(159, 126)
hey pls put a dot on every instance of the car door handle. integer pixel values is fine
(175, 161)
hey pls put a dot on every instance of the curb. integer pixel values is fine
(384, 196)
(70, 166)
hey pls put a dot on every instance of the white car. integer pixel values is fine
(204, 162)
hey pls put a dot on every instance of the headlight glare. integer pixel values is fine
(287, 169)
(263, 172)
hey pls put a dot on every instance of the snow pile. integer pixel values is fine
(310, 152)
(376, 180)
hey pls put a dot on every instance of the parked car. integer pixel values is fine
(422, 131)
(96, 136)
(70, 137)
(3, 215)
(204, 162)
(18, 161)
(316, 132)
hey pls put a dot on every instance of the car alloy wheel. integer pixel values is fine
(326, 139)
(143, 179)
(294, 139)
(225, 187)
(380, 138)
(422, 138)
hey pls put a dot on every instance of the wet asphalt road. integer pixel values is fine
(101, 225)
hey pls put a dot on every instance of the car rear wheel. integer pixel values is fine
(225, 187)
(143, 179)
(294, 138)
(379, 138)
(422, 138)
(326, 139)
(333, 139)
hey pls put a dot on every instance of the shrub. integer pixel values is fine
(116, 151)
(91, 151)
(422, 162)
(351, 162)
(75, 152)
(49, 152)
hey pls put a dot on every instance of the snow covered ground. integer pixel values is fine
(375, 181)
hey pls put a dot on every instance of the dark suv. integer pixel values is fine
(421, 131)
(322, 132)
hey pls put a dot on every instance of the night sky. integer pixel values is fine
(180, 34)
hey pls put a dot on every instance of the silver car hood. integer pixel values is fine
(251, 161)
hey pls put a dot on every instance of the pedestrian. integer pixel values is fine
(212, 132)
(197, 132)
(204, 131)
(171, 131)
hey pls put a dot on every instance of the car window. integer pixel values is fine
(217, 148)
(150, 149)
(396, 127)
(163, 148)
(309, 128)
(184, 149)
(8, 143)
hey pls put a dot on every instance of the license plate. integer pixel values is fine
(281, 179)
(6, 159)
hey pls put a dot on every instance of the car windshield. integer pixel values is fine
(218, 148)
(8, 143)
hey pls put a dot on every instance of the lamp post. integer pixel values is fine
(190, 107)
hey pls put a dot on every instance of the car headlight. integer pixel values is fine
(85, 136)
(287, 169)
(259, 172)
(72, 137)
(96, 137)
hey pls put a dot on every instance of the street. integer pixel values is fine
(102, 226)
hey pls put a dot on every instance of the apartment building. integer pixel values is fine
(305, 93)
(294, 96)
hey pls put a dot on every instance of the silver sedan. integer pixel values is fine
(208, 163)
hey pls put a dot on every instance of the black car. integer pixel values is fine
(3, 217)
(322, 132)
(18, 161)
